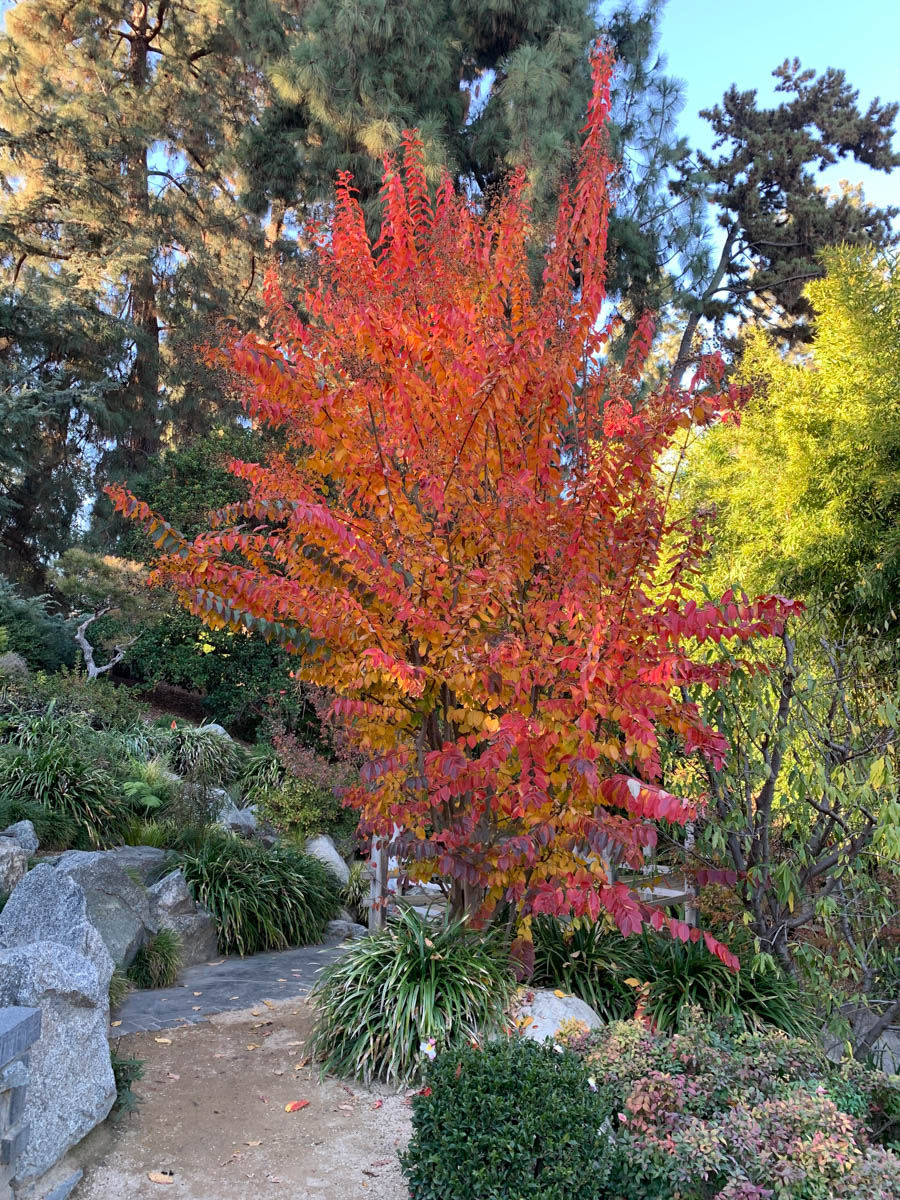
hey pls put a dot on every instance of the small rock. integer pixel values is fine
(547, 1011)
(49, 906)
(13, 666)
(239, 820)
(13, 865)
(173, 906)
(23, 833)
(345, 930)
(117, 906)
(324, 849)
(71, 1085)
(214, 727)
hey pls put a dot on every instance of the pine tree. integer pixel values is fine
(123, 242)
(776, 217)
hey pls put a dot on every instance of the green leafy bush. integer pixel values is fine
(594, 962)
(708, 1113)
(126, 1072)
(381, 1002)
(43, 638)
(156, 964)
(511, 1120)
(300, 809)
(260, 899)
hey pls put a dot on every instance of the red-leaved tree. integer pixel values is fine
(466, 538)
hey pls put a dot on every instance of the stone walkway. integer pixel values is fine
(225, 986)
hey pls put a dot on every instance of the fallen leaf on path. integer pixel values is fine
(198, 993)
(195, 1007)
(382, 1162)
(296, 1105)
(268, 1004)
(378, 1104)
(560, 994)
(260, 1024)
(252, 1046)
(282, 981)
(217, 963)
(295, 1044)
(349, 1091)
(163, 1041)
(161, 1176)
(253, 1143)
(171, 1076)
(265, 1099)
(346, 1107)
(114, 1024)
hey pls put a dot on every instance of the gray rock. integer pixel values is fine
(49, 906)
(23, 833)
(71, 1087)
(542, 1012)
(345, 930)
(239, 820)
(116, 905)
(13, 666)
(173, 907)
(145, 862)
(214, 727)
(13, 864)
(324, 849)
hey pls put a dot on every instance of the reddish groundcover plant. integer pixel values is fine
(466, 537)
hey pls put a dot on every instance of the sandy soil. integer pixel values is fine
(213, 1114)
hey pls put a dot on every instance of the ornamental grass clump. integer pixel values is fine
(260, 899)
(513, 1120)
(407, 992)
(156, 965)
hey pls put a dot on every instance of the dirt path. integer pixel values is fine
(213, 1113)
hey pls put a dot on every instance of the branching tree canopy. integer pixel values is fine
(807, 486)
(123, 242)
(776, 216)
(469, 539)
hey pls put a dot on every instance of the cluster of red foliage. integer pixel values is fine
(467, 537)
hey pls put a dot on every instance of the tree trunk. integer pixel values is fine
(683, 358)
(143, 437)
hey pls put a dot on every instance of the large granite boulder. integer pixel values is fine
(49, 906)
(13, 865)
(145, 863)
(345, 930)
(173, 907)
(71, 1087)
(116, 905)
(324, 849)
(23, 833)
(540, 1013)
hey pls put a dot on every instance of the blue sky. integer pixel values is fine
(711, 44)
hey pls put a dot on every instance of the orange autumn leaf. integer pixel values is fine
(296, 1105)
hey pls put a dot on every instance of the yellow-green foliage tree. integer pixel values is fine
(807, 487)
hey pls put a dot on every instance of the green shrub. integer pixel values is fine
(511, 1120)
(356, 892)
(119, 987)
(263, 770)
(126, 1072)
(54, 830)
(589, 960)
(408, 983)
(708, 1112)
(203, 755)
(43, 638)
(62, 777)
(300, 809)
(260, 899)
(594, 962)
(156, 964)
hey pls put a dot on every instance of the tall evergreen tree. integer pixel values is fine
(123, 241)
(775, 214)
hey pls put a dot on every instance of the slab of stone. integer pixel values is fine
(71, 1086)
(23, 833)
(324, 849)
(242, 821)
(116, 905)
(227, 985)
(147, 863)
(13, 865)
(49, 906)
(542, 1011)
(19, 1027)
(345, 930)
(173, 907)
